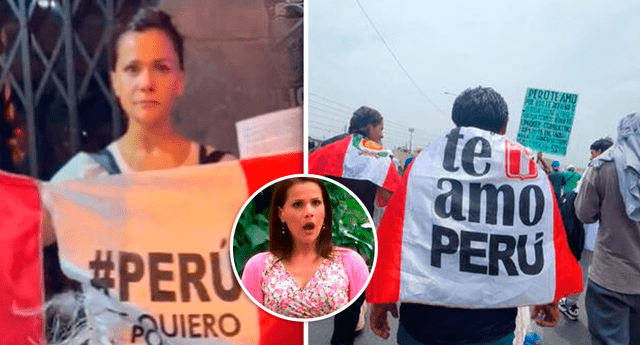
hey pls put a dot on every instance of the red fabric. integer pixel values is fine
(329, 160)
(392, 181)
(258, 172)
(567, 268)
(384, 286)
(262, 170)
(514, 153)
(20, 263)
(277, 331)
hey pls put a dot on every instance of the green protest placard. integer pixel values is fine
(547, 117)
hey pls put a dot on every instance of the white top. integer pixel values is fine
(83, 166)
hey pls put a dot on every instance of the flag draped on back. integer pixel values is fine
(473, 224)
(357, 158)
(20, 266)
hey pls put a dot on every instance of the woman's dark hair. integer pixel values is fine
(148, 18)
(362, 118)
(281, 245)
(601, 144)
(482, 108)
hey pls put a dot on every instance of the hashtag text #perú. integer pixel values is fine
(187, 268)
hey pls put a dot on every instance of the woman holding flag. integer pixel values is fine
(360, 163)
(147, 78)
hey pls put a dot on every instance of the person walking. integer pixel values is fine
(608, 193)
(450, 289)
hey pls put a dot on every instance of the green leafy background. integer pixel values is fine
(351, 227)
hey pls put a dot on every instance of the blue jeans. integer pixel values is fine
(614, 318)
(405, 339)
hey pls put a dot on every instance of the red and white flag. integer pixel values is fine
(150, 249)
(21, 293)
(473, 224)
(357, 158)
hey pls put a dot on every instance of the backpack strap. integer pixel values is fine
(572, 225)
(205, 157)
(107, 161)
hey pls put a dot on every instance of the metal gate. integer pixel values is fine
(54, 56)
(55, 59)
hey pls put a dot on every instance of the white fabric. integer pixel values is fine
(625, 153)
(421, 280)
(162, 216)
(591, 233)
(79, 166)
(358, 162)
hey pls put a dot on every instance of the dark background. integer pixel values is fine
(242, 58)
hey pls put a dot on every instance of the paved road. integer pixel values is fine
(566, 333)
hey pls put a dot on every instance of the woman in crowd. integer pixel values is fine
(147, 78)
(376, 178)
(303, 275)
(372, 181)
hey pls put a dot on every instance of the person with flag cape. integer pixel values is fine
(360, 162)
(472, 232)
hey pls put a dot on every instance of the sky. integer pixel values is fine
(590, 48)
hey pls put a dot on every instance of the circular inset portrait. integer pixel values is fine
(303, 247)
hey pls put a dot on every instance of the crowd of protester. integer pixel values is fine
(597, 206)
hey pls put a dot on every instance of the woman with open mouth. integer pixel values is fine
(303, 275)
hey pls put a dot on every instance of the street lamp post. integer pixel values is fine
(410, 137)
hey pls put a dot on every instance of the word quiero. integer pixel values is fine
(153, 331)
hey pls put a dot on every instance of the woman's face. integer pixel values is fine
(303, 212)
(376, 132)
(147, 78)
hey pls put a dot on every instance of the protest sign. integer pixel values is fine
(547, 117)
(269, 134)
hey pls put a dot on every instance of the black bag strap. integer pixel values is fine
(214, 156)
(107, 161)
(572, 225)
